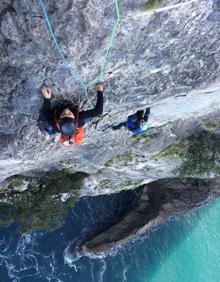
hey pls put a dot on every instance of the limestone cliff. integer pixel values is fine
(166, 58)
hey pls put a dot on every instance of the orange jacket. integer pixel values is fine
(76, 138)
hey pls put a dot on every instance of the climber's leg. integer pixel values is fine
(146, 115)
(120, 125)
(140, 115)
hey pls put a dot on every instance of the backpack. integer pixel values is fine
(134, 127)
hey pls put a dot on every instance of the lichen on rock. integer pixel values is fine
(166, 59)
(43, 204)
(202, 156)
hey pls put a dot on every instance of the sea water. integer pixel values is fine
(184, 249)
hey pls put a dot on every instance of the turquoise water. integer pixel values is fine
(196, 257)
(186, 248)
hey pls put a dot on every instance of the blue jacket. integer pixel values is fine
(131, 124)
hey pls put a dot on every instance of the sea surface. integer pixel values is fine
(184, 249)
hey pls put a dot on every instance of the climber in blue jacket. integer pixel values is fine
(136, 123)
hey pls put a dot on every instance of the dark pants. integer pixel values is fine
(141, 115)
(43, 124)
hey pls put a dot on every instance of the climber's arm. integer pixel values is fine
(85, 116)
(46, 109)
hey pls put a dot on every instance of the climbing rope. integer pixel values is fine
(109, 46)
(68, 65)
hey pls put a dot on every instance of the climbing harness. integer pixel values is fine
(68, 65)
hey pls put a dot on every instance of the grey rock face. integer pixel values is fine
(167, 59)
(215, 16)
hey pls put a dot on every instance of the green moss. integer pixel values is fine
(100, 119)
(109, 163)
(146, 168)
(175, 149)
(105, 184)
(3, 190)
(129, 182)
(71, 169)
(201, 157)
(141, 135)
(40, 206)
(16, 184)
(124, 158)
(67, 166)
(152, 4)
(123, 185)
(145, 137)
(209, 125)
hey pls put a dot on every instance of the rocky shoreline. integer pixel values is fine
(160, 200)
(168, 60)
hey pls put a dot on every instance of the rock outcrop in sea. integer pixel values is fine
(165, 56)
(159, 201)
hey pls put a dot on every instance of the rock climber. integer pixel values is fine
(65, 117)
(136, 123)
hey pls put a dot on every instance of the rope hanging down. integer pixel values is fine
(109, 46)
(68, 65)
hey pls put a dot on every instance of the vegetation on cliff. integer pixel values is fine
(199, 154)
(43, 204)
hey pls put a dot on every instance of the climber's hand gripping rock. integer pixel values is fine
(46, 92)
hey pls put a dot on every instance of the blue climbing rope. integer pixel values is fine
(69, 66)
(67, 63)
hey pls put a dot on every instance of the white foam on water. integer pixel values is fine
(102, 270)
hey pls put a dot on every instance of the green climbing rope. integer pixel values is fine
(107, 50)
(75, 76)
